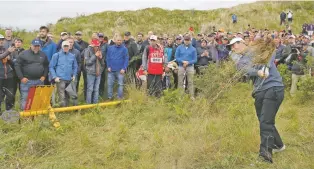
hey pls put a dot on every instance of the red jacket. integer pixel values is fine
(155, 60)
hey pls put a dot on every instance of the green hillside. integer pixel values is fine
(172, 132)
(259, 15)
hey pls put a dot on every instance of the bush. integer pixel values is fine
(286, 75)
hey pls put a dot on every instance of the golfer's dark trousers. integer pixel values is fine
(267, 103)
(154, 85)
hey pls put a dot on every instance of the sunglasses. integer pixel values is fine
(66, 46)
(187, 39)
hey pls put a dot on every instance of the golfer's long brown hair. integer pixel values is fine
(263, 50)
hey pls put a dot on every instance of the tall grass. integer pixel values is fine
(171, 132)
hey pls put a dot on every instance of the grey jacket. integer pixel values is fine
(7, 43)
(246, 66)
(91, 60)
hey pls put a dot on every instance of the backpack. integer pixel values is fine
(50, 76)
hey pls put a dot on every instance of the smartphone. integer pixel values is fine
(12, 45)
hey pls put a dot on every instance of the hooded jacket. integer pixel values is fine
(245, 65)
(132, 48)
(63, 65)
(203, 60)
(6, 71)
(91, 61)
(49, 48)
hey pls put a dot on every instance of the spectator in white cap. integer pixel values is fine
(154, 62)
(238, 46)
(63, 69)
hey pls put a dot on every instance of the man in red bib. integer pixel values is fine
(154, 63)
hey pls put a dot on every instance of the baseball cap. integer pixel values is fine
(78, 33)
(95, 42)
(234, 40)
(153, 37)
(199, 34)
(1, 36)
(225, 38)
(36, 42)
(204, 40)
(65, 43)
(210, 35)
(292, 36)
(307, 37)
(101, 35)
(127, 33)
(178, 38)
(229, 33)
(187, 37)
(63, 33)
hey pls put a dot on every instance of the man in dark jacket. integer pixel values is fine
(288, 49)
(139, 43)
(203, 57)
(103, 47)
(134, 64)
(82, 43)
(31, 68)
(298, 64)
(18, 43)
(6, 76)
(130, 45)
(283, 16)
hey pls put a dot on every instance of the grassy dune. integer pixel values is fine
(173, 132)
(259, 15)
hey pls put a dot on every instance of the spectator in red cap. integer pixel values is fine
(94, 65)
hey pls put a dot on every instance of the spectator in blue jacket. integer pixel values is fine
(234, 18)
(47, 46)
(63, 68)
(223, 51)
(186, 57)
(117, 62)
